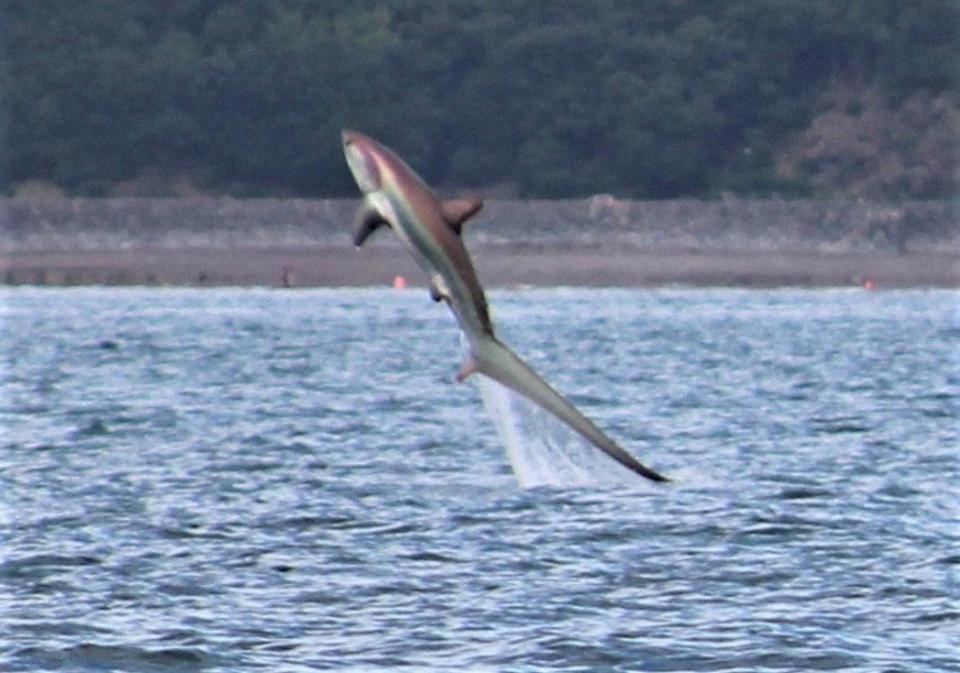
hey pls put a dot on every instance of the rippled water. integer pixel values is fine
(230, 480)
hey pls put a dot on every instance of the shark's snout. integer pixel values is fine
(359, 153)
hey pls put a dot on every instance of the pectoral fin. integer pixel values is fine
(458, 211)
(367, 221)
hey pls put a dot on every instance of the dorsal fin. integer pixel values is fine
(458, 211)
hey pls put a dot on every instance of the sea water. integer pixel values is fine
(228, 480)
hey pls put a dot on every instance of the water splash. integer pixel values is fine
(542, 450)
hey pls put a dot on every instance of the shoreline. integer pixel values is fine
(498, 266)
(597, 241)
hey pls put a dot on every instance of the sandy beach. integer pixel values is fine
(599, 241)
(497, 265)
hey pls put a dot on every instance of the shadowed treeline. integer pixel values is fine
(529, 98)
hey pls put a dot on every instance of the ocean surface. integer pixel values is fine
(290, 480)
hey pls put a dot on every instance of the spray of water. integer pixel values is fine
(542, 450)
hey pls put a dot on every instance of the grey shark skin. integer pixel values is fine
(395, 196)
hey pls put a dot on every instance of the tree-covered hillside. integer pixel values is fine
(637, 98)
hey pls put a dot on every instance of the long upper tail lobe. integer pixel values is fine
(503, 365)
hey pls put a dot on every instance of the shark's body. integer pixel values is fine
(394, 195)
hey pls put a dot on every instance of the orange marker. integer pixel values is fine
(399, 283)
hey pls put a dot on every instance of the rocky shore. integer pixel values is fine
(595, 241)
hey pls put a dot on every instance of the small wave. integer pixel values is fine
(191, 531)
(803, 493)
(40, 564)
(938, 413)
(432, 557)
(186, 586)
(308, 522)
(897, 490)
(841, 425)
(92, 656)
(937, 618)
(246, 465)
(95, 428)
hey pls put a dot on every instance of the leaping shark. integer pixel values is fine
(430, 228)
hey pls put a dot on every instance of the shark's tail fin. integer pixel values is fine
(492, 358)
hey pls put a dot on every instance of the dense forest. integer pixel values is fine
(534, 98)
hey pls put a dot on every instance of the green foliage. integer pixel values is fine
(560, 98)
(5, 88)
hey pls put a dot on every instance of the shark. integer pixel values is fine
(431, 229)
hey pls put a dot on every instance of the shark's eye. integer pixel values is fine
(363, 166)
